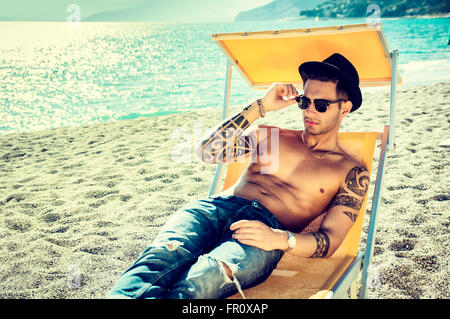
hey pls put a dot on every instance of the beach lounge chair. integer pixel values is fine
(263, 58)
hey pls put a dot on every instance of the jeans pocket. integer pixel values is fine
(231, 216)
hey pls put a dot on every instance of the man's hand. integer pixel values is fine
(279, 96)
(257, 234)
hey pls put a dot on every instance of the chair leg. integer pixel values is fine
(355, 287)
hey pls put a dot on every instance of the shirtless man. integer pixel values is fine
(215, 247)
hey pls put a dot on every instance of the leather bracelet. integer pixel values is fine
(261, 108)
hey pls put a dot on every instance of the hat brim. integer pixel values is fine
(353, 91)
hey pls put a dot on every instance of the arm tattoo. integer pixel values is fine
(352, 194)
(341, 199)
(226, 142)
(323, 243)
(357, 180)
(351, 215)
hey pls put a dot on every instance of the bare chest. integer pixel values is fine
(285, 160)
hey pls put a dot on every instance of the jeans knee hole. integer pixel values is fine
(228, 272)
(173, 245)
(231, 278)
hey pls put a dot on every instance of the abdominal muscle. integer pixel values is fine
(298, 191)
(280, 199)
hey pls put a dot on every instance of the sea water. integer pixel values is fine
(53, 74)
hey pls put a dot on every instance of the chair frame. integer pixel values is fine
(359, 267)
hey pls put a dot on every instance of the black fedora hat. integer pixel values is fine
(343, 69)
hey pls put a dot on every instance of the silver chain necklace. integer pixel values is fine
(317, 156)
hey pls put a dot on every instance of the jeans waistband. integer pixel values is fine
(253, 203)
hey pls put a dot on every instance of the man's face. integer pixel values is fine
(314, 121)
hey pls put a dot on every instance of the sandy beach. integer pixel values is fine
(79, 204)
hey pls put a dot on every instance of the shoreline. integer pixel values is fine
(80, 203)
(218, 108)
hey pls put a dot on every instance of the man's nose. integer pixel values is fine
(310, 109)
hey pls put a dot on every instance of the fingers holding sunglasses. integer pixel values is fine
(279, 96)
(294, 92)
(291, 92)
(288, 94)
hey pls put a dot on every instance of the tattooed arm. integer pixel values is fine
(227, 143)
(342, 212)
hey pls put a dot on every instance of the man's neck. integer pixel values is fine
(320, 142)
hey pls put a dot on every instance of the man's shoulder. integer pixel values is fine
(348, 161)
(355, 174)
(351, 166)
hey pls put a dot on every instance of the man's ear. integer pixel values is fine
(346, 108)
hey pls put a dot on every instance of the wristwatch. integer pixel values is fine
(291, 241)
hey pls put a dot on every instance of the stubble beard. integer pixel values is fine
(318, 130)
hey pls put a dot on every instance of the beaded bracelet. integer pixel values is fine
(261, 108)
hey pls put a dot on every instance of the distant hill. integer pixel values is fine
(51, 10)
(278, 9)
(126, 10)
(174, 10)
(388, 8)
(140, 12)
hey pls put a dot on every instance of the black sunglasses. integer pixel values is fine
(321, 105)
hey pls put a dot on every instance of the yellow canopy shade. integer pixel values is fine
(262, 57)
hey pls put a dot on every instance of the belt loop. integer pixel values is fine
(257, 205)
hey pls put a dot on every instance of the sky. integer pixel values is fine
(48, 10)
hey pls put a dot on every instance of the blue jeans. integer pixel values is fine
(186, 259)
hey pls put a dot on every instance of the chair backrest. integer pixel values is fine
(361, 146)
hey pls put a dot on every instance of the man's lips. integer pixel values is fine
(310, 123)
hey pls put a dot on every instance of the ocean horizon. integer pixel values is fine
(53, 75)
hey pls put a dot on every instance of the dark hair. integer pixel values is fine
(328, 77)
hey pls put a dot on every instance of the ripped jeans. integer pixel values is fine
(186, 259)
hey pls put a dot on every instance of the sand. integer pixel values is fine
(79, 204)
